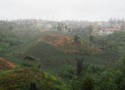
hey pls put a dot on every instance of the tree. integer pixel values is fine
(76, 38)
(107, 81)
(79, 65)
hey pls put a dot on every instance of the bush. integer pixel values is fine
(29, 79)
(88, 83)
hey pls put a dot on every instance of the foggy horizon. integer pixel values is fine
(60, 10)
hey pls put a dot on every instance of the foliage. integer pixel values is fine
(76, 38)
(115, 43)
(88, 83)
(13, 34)
(68, 72)
(27, 78)
(22, 40)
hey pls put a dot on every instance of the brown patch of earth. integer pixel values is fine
(5, 64)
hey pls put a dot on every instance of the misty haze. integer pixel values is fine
(62, 45)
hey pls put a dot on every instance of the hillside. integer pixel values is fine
(31, 55)
(66, 44)
(6, 65)
(53, 50)
(28, 79)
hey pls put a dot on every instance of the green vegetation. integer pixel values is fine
(28, 78)
(116, 43)
(56, 60)
(13, 35)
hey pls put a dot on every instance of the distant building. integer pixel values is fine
(107, 31)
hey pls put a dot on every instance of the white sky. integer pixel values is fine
(62, 9)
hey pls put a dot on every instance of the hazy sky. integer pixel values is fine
(62, 9)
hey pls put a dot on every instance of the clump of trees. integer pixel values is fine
(100, 78)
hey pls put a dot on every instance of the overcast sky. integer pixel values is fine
(62, 9)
